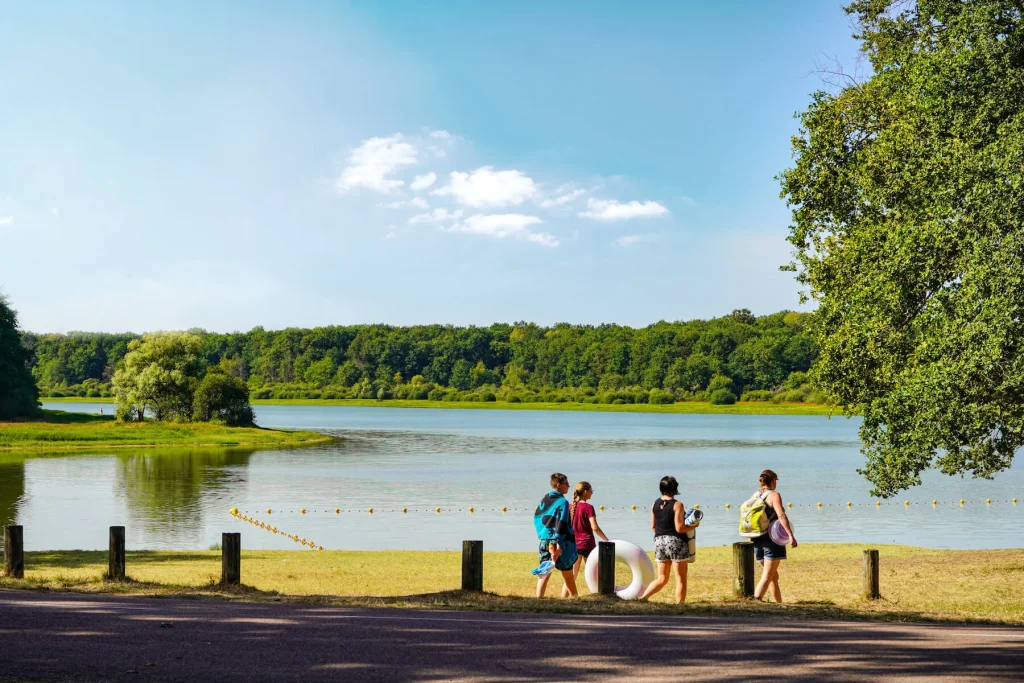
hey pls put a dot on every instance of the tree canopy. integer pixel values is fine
(908, 227)
(19, 396)
(160, 373)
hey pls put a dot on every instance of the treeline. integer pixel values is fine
(736, 356)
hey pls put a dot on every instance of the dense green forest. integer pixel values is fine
(736, 356)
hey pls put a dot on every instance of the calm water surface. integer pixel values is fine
(454, 459)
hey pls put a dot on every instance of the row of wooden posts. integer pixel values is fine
(472, 563)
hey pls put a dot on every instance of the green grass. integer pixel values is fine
(59, 431)
(818, 581)
(691, 407)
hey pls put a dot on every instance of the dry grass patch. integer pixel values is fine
(818, 581)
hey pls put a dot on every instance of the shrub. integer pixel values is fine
(618, 402)
(722, 397)
(56, 393)
(222, 398)
(488, 397)
(757, 395)
(660, 397)
(514, 398)
(436, 394)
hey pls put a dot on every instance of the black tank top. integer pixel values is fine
(665, 518)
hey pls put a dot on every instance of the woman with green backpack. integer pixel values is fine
(757, 516)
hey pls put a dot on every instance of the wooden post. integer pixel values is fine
(871, 591)
(115, 554)
(606, 568)
(472, 565)
(14, 551)
(231, 558)
(743, 570)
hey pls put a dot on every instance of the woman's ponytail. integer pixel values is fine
(577, 495)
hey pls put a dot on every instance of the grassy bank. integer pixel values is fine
(692, 407)
(58, 430)
(819, 581)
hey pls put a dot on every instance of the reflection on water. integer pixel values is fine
(421, 459)
(163, 492)
(12, 490)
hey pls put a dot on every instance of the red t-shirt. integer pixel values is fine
(581, 526)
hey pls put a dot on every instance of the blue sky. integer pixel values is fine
(226, 165)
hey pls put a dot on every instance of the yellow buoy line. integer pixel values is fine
(633, 508)
(244, 516)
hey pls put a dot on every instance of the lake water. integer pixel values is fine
(422, 459)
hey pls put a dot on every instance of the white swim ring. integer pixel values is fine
(639, 563)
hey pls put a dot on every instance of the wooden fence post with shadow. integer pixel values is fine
(473, 566)
(743, 570)
(14, 551)
(231, 558)
(606, 568)
(871, 591)
(115, 554)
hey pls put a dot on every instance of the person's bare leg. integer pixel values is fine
(659, 581)
(769, 575)
(776, 591)
(575, 573)
(681, 569)
(570, 581)
(542, 584)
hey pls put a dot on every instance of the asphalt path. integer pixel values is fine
(66, 637)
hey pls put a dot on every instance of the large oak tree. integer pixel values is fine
(908, 206)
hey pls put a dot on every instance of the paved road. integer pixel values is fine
(66, 637)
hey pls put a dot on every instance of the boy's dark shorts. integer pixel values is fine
(767, 549)
(566, 560)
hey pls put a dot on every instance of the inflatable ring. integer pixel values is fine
(639, 563)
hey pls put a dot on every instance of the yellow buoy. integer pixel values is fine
(819, 504)
(602, 507)
(404, 510)
(961, 501)
(303, 510)
(728, 506)
(503, 508)
(906, 503)
(1014, 501)
(269, 511)
(337, 511)
(988, 501)
(848, 504)
(234, 511)
(319, 547)
(471, 510)
(437, 510)
(878, 503)
(634, 507)
(789, 505)
(371, 511)
(274, 529)
(935, 502)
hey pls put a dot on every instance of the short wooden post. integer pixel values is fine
(871, 591)
(14, 551)
(472, 565)
(231, 558)
(606, 568)
(743, 570)
(115, 554)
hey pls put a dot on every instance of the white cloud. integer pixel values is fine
(486, 188)
(54, 211)
(422, 182)
(442, 134)
(436, 216)
(419, 202)
(371, 164)
(610, 210)
(564, 196)
(505, 225)
(628, 240)
(688, 200)
(393, 205)
(9, 220)
(543, 238)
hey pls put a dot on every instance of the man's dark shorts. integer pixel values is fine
(767, 549)
(566, 560)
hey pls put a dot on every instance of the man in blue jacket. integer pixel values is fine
(554, 530)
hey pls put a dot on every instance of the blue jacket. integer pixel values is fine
(551, 518)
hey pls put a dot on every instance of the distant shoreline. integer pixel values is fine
(688, 407)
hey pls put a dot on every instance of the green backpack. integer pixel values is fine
(754, 520)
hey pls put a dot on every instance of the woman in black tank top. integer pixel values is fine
(670, 545)
(768, 552)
